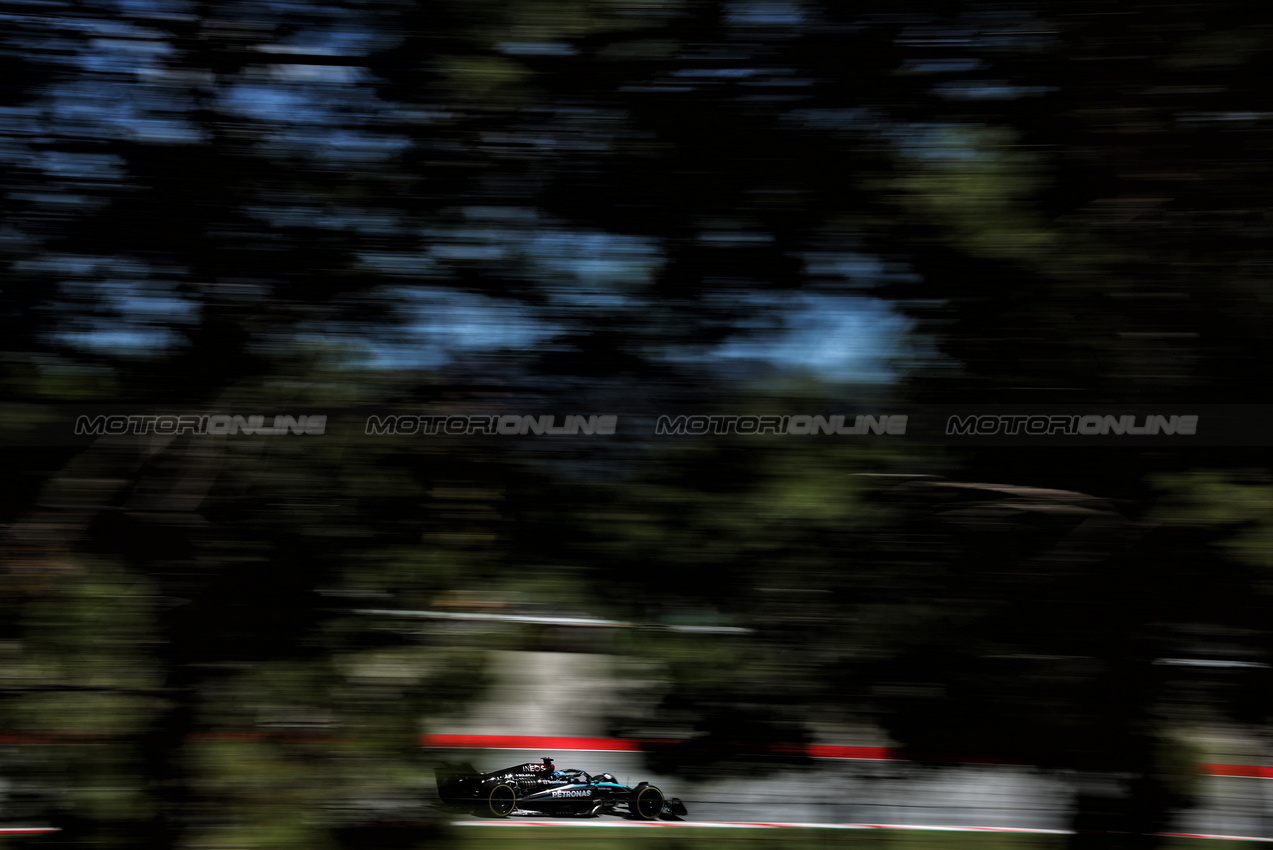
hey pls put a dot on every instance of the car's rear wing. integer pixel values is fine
(450, 778)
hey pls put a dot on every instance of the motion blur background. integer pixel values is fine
(598, 206)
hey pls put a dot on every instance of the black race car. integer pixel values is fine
(539, 788)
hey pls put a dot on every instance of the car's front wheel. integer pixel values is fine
(648, 803)
(502, 800)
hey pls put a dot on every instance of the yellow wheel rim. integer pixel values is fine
(651, 799)
(502, 805)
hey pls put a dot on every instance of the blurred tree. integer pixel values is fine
(1095, 215)
(201, 198)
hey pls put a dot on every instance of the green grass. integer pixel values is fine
(601, 838)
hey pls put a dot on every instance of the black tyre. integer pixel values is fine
(648, 803)
(502, 800)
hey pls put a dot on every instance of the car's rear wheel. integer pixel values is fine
(648, 804)
(502, 800)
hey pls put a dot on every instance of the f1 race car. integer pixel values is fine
(539, 788)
